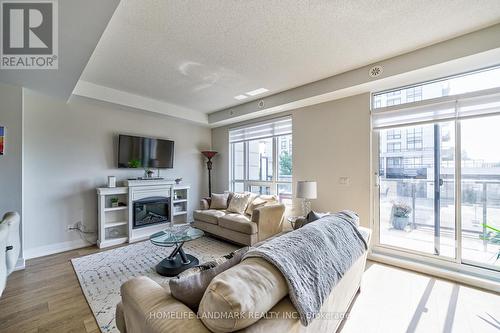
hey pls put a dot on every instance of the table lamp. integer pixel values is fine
(306, 190)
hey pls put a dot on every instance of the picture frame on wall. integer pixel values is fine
(2, 140)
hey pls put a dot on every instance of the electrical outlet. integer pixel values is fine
(73, 227)
(345, 181)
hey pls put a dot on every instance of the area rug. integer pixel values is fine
(102, 274)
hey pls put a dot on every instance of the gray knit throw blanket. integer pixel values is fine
(314, 258)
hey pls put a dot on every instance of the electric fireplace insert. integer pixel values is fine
(150, 211)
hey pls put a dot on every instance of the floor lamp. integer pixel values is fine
(209, 154)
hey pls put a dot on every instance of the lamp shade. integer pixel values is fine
(306, 189)
(209, 153)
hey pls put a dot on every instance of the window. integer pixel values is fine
(261, 158)
(455, 85)
(393, 134)
(434, 201)
(414, 138)
(393, 147)
(413, 94)
(413, 162)
(393, 101)
(394, 162)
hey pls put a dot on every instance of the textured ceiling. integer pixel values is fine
(199, 54)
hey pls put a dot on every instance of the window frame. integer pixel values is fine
(274, 183)
(458, 263)
(377, 97)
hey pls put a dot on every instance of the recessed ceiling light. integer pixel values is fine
(257, 91)
(240, 97)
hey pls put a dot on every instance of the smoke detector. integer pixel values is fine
(375, 71)
(261, 104)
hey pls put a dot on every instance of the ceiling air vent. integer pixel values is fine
(375, 71)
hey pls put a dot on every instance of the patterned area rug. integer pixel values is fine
(102, 274)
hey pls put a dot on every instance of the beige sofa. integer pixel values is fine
(264, 222)
(254, 286)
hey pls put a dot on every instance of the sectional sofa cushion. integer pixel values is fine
(252, 287)
(238, 222)
(189, 286)
(209, 215)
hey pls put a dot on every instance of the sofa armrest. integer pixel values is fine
(148, 307)
(12, 219)
(269, 220)
(205, 203)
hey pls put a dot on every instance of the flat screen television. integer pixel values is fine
(143, 152)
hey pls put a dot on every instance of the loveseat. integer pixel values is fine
(253, 226)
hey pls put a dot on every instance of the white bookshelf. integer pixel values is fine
(113, 221)
(180, 203)
(116, 223)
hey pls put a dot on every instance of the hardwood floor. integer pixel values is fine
(399, 300)
(46, 297)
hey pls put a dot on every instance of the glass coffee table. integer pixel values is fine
(178, 261)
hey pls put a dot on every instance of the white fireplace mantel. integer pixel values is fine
(116, 223)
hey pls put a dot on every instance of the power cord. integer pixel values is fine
(83, 233)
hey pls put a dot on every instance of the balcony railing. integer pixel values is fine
(480, 205)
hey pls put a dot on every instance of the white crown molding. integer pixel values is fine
(111, 95)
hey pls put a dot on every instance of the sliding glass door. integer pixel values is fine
(417, 188)
(417, 202)
(437, 149)
(480, 205)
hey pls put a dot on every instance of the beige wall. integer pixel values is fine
(70, 149)
(11, 117)
(330, 140)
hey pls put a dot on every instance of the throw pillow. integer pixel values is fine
(238, 203)
(219, 201)
(256, 203)
(270, 199)
(250, 200)
(313, 216)
(189, 286)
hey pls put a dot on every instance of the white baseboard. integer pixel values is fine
(46, 250)
(20, 265)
